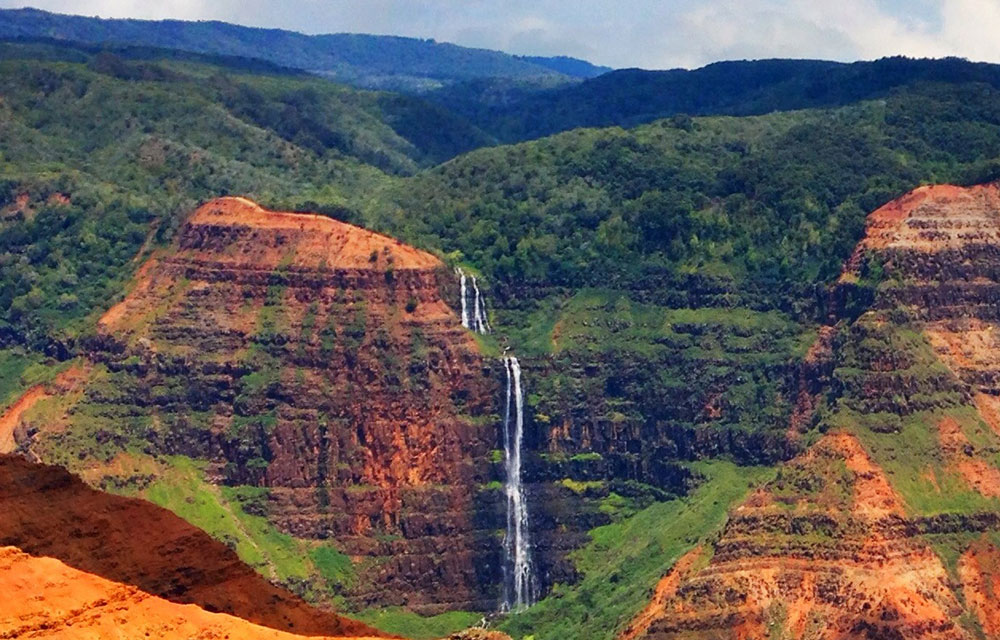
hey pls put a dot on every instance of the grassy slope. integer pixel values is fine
(403, 622)
(311, 569)
(623, 561)
(13, 365)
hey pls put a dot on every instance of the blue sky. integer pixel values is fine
(654, 34)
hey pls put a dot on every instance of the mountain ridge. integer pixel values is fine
(371, 61)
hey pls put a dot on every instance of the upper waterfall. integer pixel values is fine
(472, 297)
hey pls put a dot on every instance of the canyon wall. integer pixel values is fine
(886, 527)
(320, 362)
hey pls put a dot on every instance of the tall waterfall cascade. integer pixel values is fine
(473, 298)
(520, 584)
(520, 587)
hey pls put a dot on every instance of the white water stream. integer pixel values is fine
(477, 320)
(519, 579)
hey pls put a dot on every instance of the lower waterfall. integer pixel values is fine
(519, 579)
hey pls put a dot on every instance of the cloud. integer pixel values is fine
(646, 33)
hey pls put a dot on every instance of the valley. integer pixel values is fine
(283, 358)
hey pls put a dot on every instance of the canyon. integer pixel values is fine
(343, 388)
(320, 362)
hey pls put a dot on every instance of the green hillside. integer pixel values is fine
(360, 59)
(100, 151)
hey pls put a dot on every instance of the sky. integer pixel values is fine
(653, 34)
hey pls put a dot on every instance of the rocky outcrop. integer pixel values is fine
(320, 361)
(937, 251)
(832, 548)
(111, 541)
(817, 554)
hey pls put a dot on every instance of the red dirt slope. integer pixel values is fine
(46, 511)
(44, 598)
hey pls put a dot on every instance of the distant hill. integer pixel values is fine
(388, 62)
(568, 66)
(629, 97)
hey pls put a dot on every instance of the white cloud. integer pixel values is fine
(647, 33)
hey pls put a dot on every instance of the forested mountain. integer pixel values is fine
(727, 341)
(136, 140)
(359, 59)
(633, 96)
(568, 66)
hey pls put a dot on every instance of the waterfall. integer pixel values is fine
(477, 321)
(482, 324)
(520, 587)
(465, 307)
(519, 581)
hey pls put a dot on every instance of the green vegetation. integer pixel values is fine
(623, 561)
(918, 470)
(183, 490)
(730, 368)
(663, 280)
(405, 623)
(311, 571)
(13, 365)
(335, 567)
(582, 486)
(897, 413)
(103, 154)
(741, 209)
(632, 96)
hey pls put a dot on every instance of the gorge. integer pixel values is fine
(693, 378)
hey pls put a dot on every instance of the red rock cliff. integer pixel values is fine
(319, 360)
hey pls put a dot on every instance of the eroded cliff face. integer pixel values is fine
(886, 527)
(824, 551)
(319, 361)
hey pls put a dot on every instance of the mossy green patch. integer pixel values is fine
(915, 464)
(13, 364)
(408, 624)
(222, 512)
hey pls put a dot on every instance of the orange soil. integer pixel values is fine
(9, 421)
(888, 225)
(873, 495)
(46, 511)
(44, 598)
(979, 474)
(665, 590)
(12, 417)
(979, 572)
(142, 281)
(313, 237)
(766, 581)
(805, 403)
(952, 212)
(989, 410)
